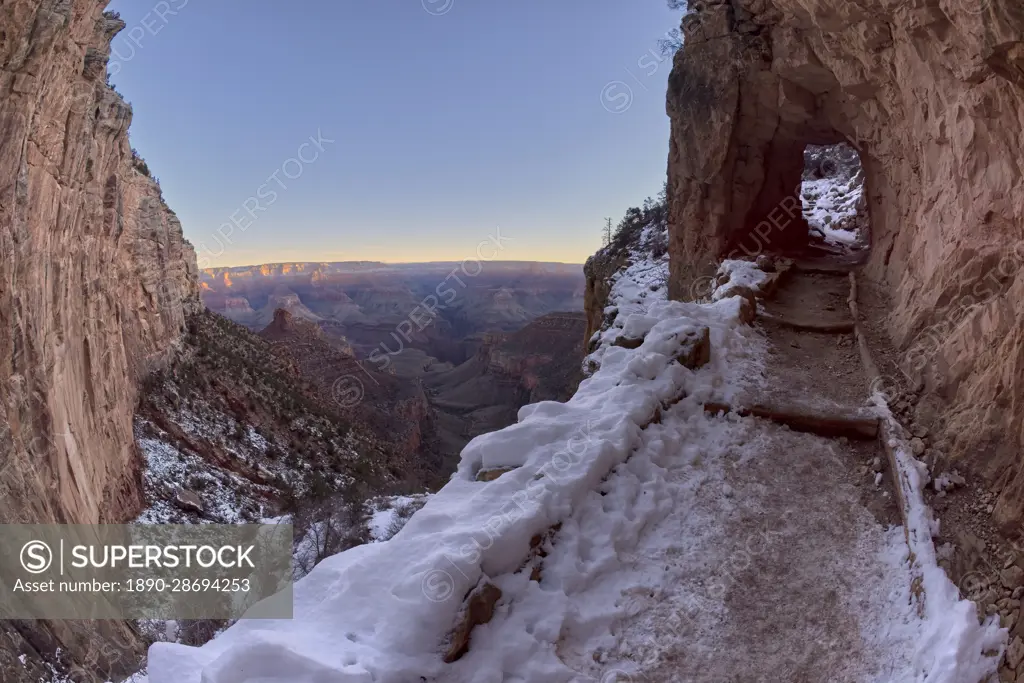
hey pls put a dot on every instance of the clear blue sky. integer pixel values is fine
(450, 119)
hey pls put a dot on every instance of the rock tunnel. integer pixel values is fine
(931, 95)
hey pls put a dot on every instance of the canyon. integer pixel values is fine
(108, 352)
(436, 308)
(428, 355)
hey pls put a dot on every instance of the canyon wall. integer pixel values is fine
(931, 94)
(95, 276)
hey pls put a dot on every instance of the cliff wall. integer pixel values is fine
(931, 94)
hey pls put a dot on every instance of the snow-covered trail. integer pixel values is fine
(724, 549)
(767, 568)
(632, 536)
(732, 549)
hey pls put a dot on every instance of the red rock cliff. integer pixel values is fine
(95, 276)
(931, 93)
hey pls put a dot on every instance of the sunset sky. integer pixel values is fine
(396, 131)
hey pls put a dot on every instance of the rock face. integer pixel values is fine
(96, 275)
(95, 283)
(931, 95)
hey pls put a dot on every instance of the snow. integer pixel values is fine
(829, 202)
(168, 469)
(643, 282)
(952, 641)
(735, 273)
(389, 513)
(644, 485)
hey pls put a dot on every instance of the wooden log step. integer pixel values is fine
(824, 268)
(837, 327)
(804, 419)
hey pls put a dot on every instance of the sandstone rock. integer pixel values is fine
(1012, 577)
(477, 609)
(98, 278)
(97, 281)
(946, 244)
(917, 446)
(765, 263)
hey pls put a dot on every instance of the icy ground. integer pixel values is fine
(679, 546)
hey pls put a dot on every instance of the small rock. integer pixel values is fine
(628, 342)
(765, 263)
(477, 609)
(1006, 675)
(1017, 592)
(794, 344)
(695, 350)
(920, 431)
(748, 309)
(917, 446)
(494, 473)
(1008, 562)
(876, 465)
(1015, 653)
(188, 501)
(1012, 577)
(990, 509)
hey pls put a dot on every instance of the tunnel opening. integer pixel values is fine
(834, 202)
(811, 204)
